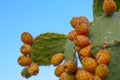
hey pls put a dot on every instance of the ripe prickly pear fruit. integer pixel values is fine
(82, 74)
(85, 52)
(59, 70)
(89, 64)
(27, 38)
(66, 76)
(77, 48)
(33, 69)
(102, 71)
(81, 41)
(70, 66)
(95, 78)
(78, 20)
(26, 49)
(109, 7)
(24, 60)
(72, 35)
(103, 57)
(82, 29)
(57, 59)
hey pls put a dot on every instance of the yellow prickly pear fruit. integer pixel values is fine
(33, 69)
(59, 70)
(102, 71)
(57, 59)
(89, 64)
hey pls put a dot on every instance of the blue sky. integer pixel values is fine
(36, 17)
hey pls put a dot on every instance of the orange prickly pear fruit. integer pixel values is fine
(82, 29)
(70, 66)
(109, 7)
(78, 20)
(82, 74)
(24, 60)
(95, 78)
(57, 59)
(102, 71)
(81, 41)
(103, 57)
(85, 52)
(27, 38)
(59, 70)
(77, 48)
(26, 49)
(33, 69)
(72, 35)
(89, 64)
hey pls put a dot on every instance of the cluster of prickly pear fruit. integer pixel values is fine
(84, 48)
(30, 67)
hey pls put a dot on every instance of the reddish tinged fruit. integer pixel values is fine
(57, 59)
(82, 74)
(78, 20)
(59, 70)
(70, 66)
(26, 49)
(33, 69)
(82, 29)
(102, 71)
(95, 78)
(24, 60)
(81, 41)
(66, 76)
(72, 35)
(89, 64)
(85, 52)
(109, 7)
(77, 48)
(26, 38)
(103, 57)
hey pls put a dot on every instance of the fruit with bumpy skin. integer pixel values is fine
(33, 69)
(103, 57)
(82, 74)
(109, 7)
(59, 70)
(57, 59)
(72, 35)
(102, 71)
(66, 76)
(25, 73)
(26, 49)
(95, 78)
(24, 60)
(82, 29)
(70, 66)
(27, 38)
(81, 41)
(85, 52)
(78, 20)
(77, 48)
(89, 64)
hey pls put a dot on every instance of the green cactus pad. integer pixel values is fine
(70, 51)
(98, 8)
(45, 46)
(107, 29)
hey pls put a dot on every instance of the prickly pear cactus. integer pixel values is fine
(105, 33)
